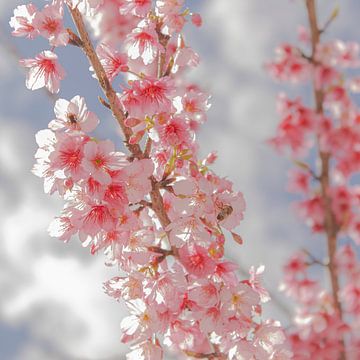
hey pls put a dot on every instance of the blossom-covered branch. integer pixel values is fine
(330, 133)
(159, 212)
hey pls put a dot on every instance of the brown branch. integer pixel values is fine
(211, 356)
(330, 224)
(104, 82)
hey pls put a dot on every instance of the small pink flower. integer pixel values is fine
(155, 95)
(205, 294)
(195, 105)
(49, 22)
(73, 115)
(196, 19)
(241, 299)
(142, 323)
(22, 21)
(95, 217)
(234, 201)
(255, 283)
(166, 7)
(100, 157)
(136, 7)
(196, 260)
(68, 156)
(63, 228)
(112, 61)
(289, 65)
(298, 181)
(174, 132)
(131, 103)
(136, 176)
(143, 42)
(115, 194)
(44, 70)
(146, 350)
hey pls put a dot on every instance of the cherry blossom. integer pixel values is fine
(49, 24)
(44, 70)
(143, 42)
(22, 21)
(112, 61)
(73, 115)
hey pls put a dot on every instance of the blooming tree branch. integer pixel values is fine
(159, 212)
(326, 321)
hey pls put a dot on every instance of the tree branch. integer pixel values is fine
(330, 225)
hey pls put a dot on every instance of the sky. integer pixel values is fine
(51, 301)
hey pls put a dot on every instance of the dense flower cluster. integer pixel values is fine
(159, 213)
(324, 142)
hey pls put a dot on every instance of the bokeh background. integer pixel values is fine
(51, 301)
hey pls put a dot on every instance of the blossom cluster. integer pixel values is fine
(159, 213)
(324, 143)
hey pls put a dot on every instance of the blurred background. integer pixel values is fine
(51, 301)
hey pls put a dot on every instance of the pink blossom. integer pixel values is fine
(268, 336)
(147, 350)
(68, 156)
(136, 177)
(62, 228)
(44, 70)
(174, 132)
(95, 217)
(173, 23)
(351, 297)
(143, 42)
(226, 272)
(22, 21)
(241, 299)
(196, 19)
(312, 211)
(141, 324)
(115, 194)
(231, 209)
(195, 105)
(196, 260)
(184, 56)
(112, 61)
(169, 6)
(204, 294)
(100, 157)
(299, 181)
(136, 7)
(49, 23)
(297, 264)
(132, 104)
(169, 289)
(129, 287)
(289, 65)
(73, 115)
(155, 95)
(325, 76)
(255, 283)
